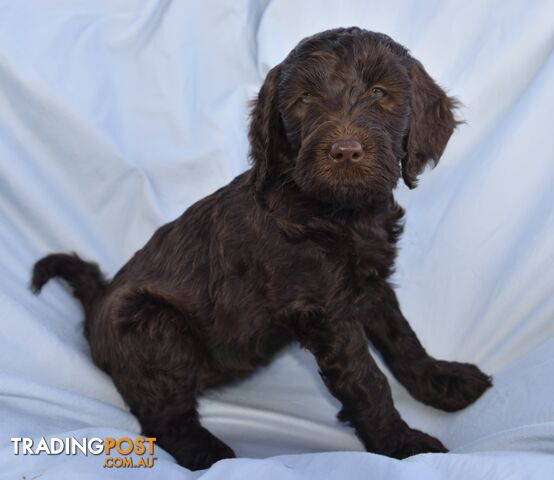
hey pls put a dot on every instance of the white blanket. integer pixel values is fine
(116, 116)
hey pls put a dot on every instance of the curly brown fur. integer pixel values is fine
(300, 247)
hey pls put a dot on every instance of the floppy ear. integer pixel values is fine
(431, 124)
(266, 134)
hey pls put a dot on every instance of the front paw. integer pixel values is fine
(414, 442)
(451, 386)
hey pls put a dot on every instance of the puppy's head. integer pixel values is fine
(345, 115)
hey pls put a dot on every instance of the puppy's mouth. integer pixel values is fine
(345, 170)
(345, 145)
(347, 161)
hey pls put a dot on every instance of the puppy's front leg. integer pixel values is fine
(347, 368)
(449, 386)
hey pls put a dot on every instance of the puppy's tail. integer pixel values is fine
(85, 278)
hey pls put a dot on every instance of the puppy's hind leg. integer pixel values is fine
(155, 366)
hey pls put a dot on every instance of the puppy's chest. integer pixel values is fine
(363, 252)
(347, 255)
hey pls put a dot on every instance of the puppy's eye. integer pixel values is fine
(377, 92)
(306, 98)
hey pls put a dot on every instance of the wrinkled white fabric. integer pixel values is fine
(116, 116)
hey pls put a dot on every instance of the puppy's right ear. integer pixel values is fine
(266, 134)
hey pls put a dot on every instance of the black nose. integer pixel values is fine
(346, 151)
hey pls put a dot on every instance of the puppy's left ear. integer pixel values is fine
(431, 124)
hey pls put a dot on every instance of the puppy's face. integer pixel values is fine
(345, 109)
(346, 114)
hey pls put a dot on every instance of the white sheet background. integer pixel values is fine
(115, 116)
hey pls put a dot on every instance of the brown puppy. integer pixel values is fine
(300, 247)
